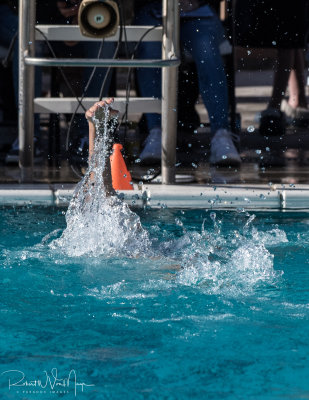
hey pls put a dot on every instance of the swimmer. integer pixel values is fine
(89, 114)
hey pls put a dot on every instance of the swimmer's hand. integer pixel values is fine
(89, 114)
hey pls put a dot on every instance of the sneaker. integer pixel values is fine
(272, 122)
(298, 115)
(151, 154)
(12, 156)
(223, 150)
(275, 158)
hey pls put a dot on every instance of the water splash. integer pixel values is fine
(233, 264)
(99, 223)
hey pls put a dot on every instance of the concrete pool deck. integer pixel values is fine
(230, 197)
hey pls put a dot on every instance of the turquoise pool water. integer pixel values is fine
(214, 306)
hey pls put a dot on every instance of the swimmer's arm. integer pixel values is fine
(89, 114)
(91, 138)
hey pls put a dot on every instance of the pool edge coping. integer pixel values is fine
(247, 196)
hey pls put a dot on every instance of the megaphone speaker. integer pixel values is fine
(98, 18)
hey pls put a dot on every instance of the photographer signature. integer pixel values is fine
(48, 381)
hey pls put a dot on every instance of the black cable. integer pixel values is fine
(123, 22)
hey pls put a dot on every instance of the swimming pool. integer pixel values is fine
(215, 306)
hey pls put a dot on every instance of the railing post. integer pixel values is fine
(26, 41)
(170, 47)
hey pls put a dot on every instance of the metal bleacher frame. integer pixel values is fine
(168, 34)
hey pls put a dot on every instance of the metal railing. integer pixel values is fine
(28, 105)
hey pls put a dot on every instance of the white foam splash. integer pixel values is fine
(233, 264)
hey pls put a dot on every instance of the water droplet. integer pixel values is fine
(267, 148)
(224, 157)
(248, 52)
(274, 42)
(258, 151)
(213, 216)
(194, 165)
(178, 222)
(137, 161)
(189, 144)
(250, 128)
(262, 196)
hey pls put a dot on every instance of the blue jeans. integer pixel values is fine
(8, 28)
(201, 38)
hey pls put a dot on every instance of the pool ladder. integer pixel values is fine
(168, 34)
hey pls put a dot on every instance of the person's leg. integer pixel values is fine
(293, 89)
(201, 37)
(296, 83)
(273, 119)
(283, 67)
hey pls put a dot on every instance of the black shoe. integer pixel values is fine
(272, 122)
(275, 158)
